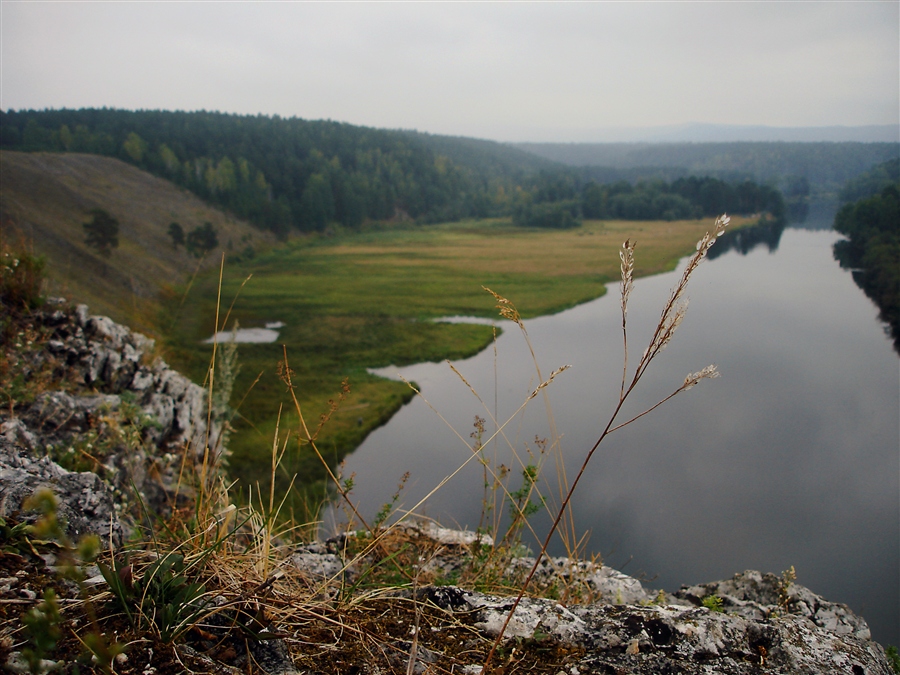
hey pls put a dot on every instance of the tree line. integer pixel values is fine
(561, 199)
(285, 174)
(872, 248)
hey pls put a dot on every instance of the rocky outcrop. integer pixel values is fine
(678, 637)
(115, 393)
(760, 623)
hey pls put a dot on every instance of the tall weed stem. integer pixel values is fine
(670, 318)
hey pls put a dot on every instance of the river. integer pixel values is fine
(791, 457)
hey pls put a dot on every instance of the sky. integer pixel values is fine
(507, 71)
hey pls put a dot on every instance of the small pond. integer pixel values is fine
(247, 335)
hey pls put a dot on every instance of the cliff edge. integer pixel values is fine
(93, 415)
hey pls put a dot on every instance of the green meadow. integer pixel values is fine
(365, 300)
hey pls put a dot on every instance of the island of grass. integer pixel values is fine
(367, 300)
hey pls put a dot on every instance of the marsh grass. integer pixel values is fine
(366, 300)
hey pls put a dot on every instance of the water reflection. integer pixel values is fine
(744, 240)
(871, 255)
(802, 216)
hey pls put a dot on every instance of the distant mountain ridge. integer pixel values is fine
(826, 165)
(696, 132)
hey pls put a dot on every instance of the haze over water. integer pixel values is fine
(790, 458)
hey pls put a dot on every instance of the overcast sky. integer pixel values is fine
(505, 71)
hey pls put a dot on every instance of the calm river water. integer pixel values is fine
(792, 457)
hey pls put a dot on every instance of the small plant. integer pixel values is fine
(14, 538)
(162, 592)
(522, 506)
(893, 658)
(42, 623)
(388, 507)
(713, 603)
(788, 577)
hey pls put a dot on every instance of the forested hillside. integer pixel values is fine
(288, 173)
(871, 182)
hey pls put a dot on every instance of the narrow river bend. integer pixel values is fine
(792, 457)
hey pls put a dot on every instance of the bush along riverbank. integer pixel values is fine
(122, 551)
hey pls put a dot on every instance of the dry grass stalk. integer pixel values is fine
(672, 314)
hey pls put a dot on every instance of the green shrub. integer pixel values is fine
(21, 278)
(102, 232)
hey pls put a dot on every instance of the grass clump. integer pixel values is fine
(21, 278)
(713, 603)
(893, 657)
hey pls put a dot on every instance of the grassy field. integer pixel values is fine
(361, 301)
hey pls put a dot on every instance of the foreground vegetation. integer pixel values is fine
(366, 300)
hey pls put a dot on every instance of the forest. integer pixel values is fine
(291, 174)
(872, 248)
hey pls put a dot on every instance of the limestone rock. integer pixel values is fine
(759, 596)
(767, 624)
(86, 503)
(101, 365)
(674, 639)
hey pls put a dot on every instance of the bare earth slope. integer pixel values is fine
(45, 198)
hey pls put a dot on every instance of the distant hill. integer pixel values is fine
(287, 174)
(46, 197)
(827, 166)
